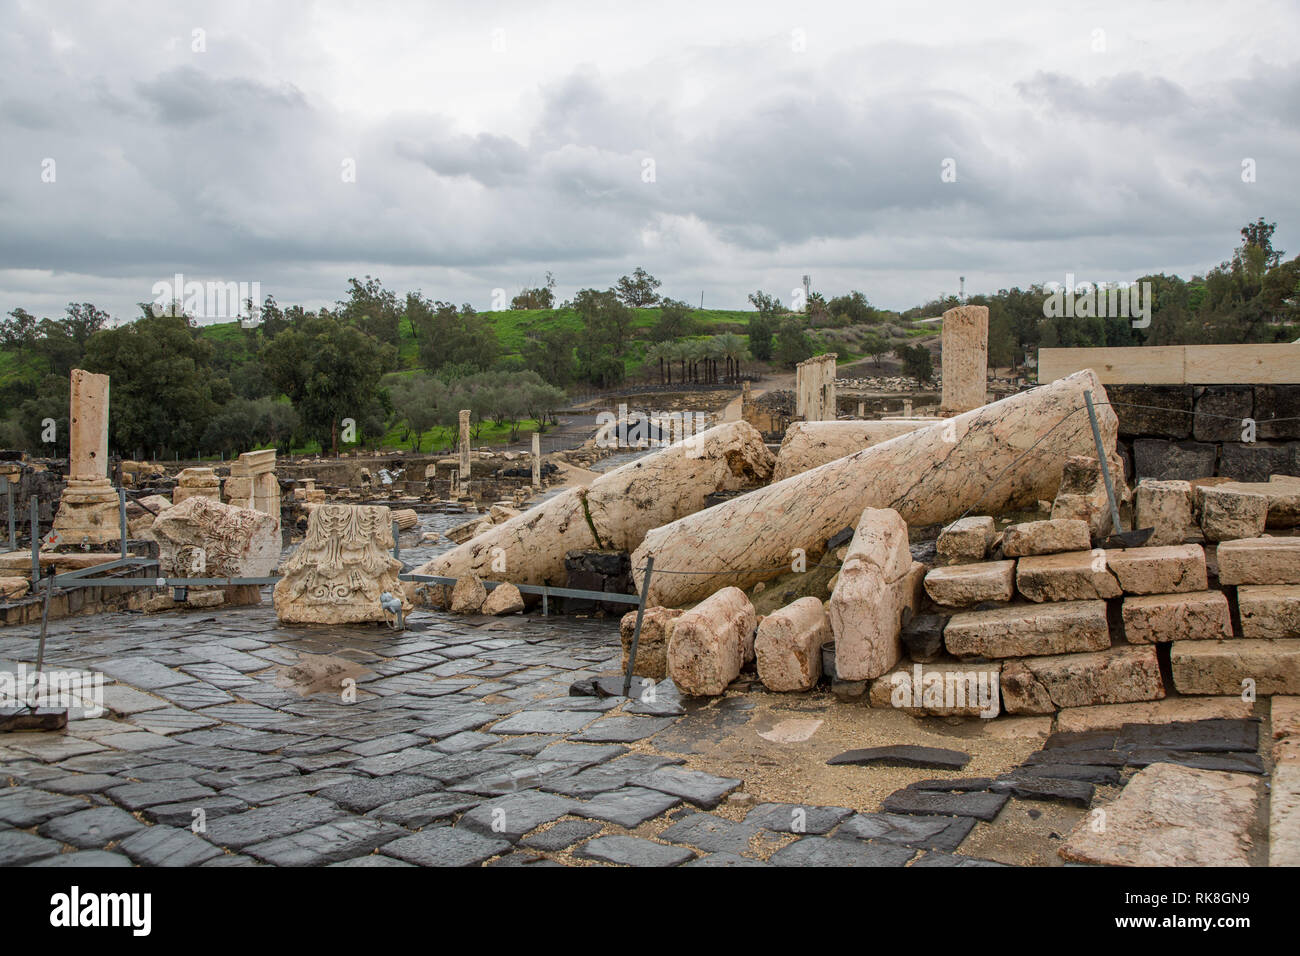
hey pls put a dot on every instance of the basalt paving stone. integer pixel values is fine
(448, 725)
(980, 805)
(314, 747)
(269, 790)
(239, 830)
(373, 859)
(512, 816)
(725, 859)
(143, 673)
(584, 755)
(82, 859)
(903, 755)
(1202, 736)
(796, 818)
(599, 705)
(527, 746)
(1074, 793)
(1094, 758)
(921, 832)
(524, 858)
(562, 836)
(633, 851)
(935, 858)
(527, 774)
(219, 675)
(173, 720)
(108, 762)
(589, 783)
(364, 794)
(542, 722)
(168, 771)
(833, 851)
(453, 768)
(126, 701)
(1230, 762)
(702, 789)
(162, 845)
(46, 748)
(194, 695)
(19, 849)
(328, 843)
(328, 761)
(703, 831)
(446, 846)
(1101, 776)
(452, 668)
(425, 809)
(183, 815)
(253, 716)
(139, 740)
(80, 783)
(1081, 740)
(220, 758)
(24, 807)
(402, 761)
(705, 724)
(140, 796)
(623, 729)
(464, 742)
(627, 806)
(239, 738)
(390, 743)
(957, 785)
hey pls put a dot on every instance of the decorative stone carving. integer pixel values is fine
(342, 567)
(204, 538)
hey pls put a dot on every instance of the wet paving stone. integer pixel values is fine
(466, 741)
(268, 790)
(925, 832)
(618, 729)
(91, 829)
(328, 843)
(796, 818)
(562, 836)
(83, 859)
(425, 809)
(18, 848)
(1075, 793)
(374, 859)
(446, 846)
(162, 845)
(542, 722)
(833, 851)
(702, 789)
(510, 817)
(703, 831)
(239, 830)
(1087, 775)
(903, 755)
(633, 851)
(449, 769)
(980, 805)
(934, 858)
(361, 795)
(628, 806)
(1229, 762)
(1202, 736)
(182, 814)
(24, 807)
(1077, 756)
(725, 859)
(403, 761)
(71, 784)
(581, 754)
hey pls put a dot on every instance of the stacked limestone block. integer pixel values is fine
(252, 483)
(196, 482)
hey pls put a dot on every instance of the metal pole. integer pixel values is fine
(13, 519)
(36, 542)
(40, 650)
(396, 546)
(1101, 458)
(636, 632)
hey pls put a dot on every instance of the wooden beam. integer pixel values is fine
(1275, 364)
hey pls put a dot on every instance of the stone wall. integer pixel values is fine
(1196, 431)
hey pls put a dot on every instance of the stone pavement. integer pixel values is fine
(460, 746)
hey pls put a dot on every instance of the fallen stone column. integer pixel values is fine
(615, 511)
(929, 476)
(788, 646)
(871, 590)
(809, 444)
(709, 644)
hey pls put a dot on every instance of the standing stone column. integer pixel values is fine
(862, 409)
(815, 388)
(965, 358)
(464, 445)
(88, 507)
(537, 460)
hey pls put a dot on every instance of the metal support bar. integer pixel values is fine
(636, 632)
(545, 590)
(40, 651)
(36, 543)
(121, 515)
(129, 561)
(396, 547)
(1101, 459)
(13, 518)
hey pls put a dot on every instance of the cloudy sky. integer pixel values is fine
(725, 147)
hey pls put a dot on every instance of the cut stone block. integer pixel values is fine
(1259, 561)
(1284, 813)
(948, 689)
(1082, 495)
(1269, 611)
(502, 599)
(1045, 537)
(1171, 816)
(1191, 616)
(1165, 506)
(1072, 576)
(963, 585)
(1173, 461)
(1041, 685)
(1166, 570)
(923, 636)
(966, 539)
(1221, 667)
(1029, 629)
(788, 646)
(652, 645)
(709, 643)
(1220, 412)
(468, 595)
(1228, 514)
(1283, 496)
